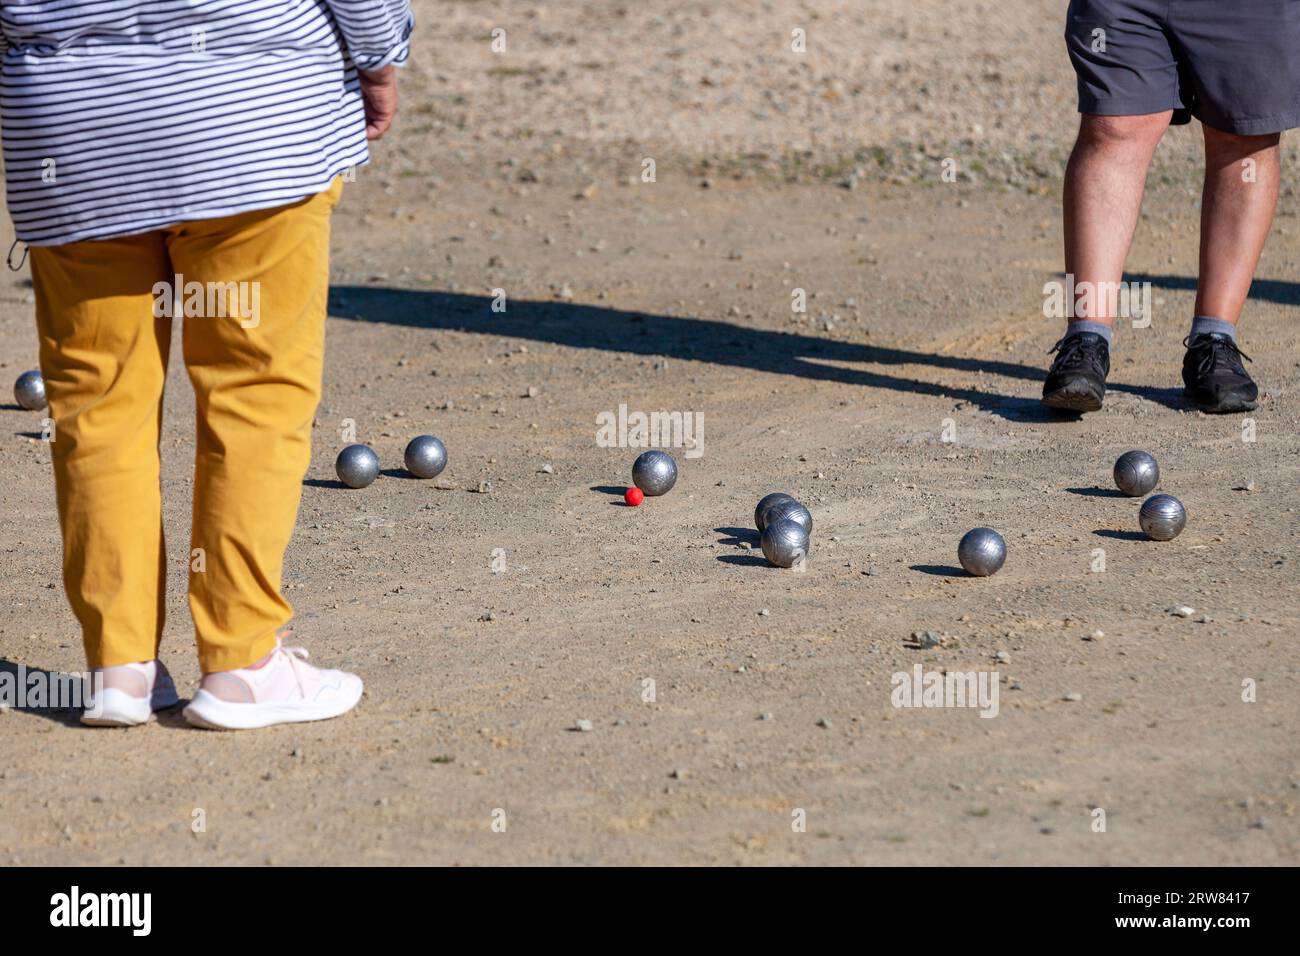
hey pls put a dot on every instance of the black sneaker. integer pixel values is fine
(1213, 376)
(1077, 380)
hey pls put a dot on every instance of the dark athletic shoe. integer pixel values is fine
(1213, 376)
(1077, 380)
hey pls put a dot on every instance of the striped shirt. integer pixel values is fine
(120, 117)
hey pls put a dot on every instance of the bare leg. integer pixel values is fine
(1104, 181)
(1240, 195)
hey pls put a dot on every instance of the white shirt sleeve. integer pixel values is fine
(377, 32)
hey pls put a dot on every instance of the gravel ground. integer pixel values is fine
(497, 609)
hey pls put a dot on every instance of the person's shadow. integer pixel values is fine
(1270, 290)
(701, 340)
(67, 711)
(18, 679)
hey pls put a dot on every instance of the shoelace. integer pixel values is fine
(295, 655)
(1073, 349)
(1215, 348)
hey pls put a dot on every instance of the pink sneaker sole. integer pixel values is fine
(212, 713)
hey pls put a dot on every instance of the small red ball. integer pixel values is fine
(633, 497)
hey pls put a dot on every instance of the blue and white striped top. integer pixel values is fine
(120, 117)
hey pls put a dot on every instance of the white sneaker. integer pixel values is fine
(283, 690)
(128, 694)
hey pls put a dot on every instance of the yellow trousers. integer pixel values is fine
(256, 374)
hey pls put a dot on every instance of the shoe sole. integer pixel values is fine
(122, 710)
(1229, 405)
(1072, 398)
(211, 713)
(106, 721)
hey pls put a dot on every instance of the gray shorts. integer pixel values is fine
(1233, 64)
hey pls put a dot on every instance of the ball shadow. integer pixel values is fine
(734, 536)
(744, 560)
(323, 483)
(1120, 535)
(1097, 492)
(940, 570)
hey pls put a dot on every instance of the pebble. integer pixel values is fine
(487, 616)
(767, 715)
(583, 725)
(1002, 657)
(1073, 697)
(927, 638)
(764, 612)
(1095, 635)
(824, 723)
(681, 773)
(546, 469)
(1181, 610)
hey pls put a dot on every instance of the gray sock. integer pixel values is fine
(1207, 324)
(1087, 325)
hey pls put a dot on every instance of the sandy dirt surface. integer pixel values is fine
(492, 609)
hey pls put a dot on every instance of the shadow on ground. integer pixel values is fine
(1269, 290)
(22, 680)
(702, 340)
(60, 684)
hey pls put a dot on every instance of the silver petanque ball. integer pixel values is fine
(29, 391)
(654, 472)
(982, 552)
(425, 456)
(1136, 473)
(357, 466)
(789, 510)
(785, 542)
(767, 501)
(1162, 517)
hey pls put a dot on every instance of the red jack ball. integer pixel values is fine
(633, 497)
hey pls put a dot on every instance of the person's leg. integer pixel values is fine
(1104, 181)
(1242, 174)
(257, 378)
(1240, 61)
(104, 361)
(1130, 90)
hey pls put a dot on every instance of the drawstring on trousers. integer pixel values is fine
(10, 258)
